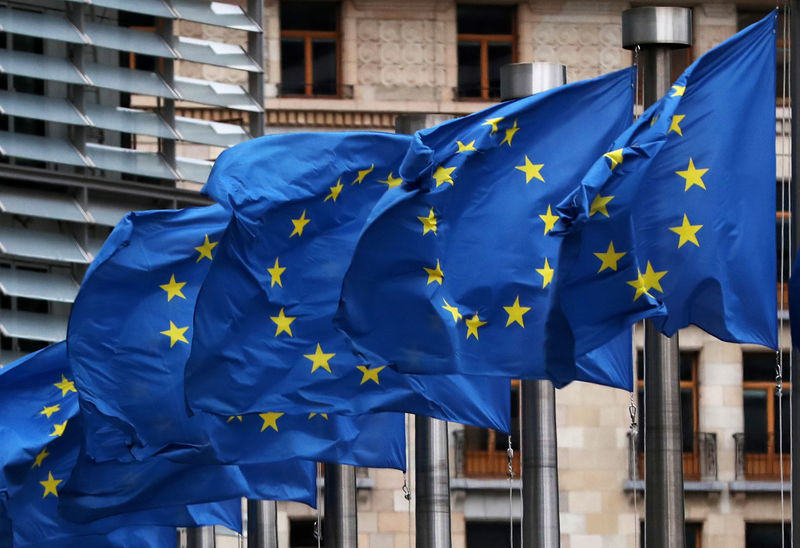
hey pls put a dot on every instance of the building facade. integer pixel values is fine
(107, 110)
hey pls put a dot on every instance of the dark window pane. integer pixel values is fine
(309, 15)
(293, 75)
(499, 55)
(323, 52)
(755, 421)
(476, 439)
(766, 535)
(783, 408)
(687, 419)
(301, 533)
(686, 364)
(761, 366)
(485, 19)
(469, 69)
(481, 534)
(693, 531)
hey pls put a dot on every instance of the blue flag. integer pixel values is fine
(677, 222)
(129, 336)
(455, 271)
(794, 302)
(41, 435)
(264, 314)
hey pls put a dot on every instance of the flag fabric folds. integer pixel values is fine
(129, 336)
(455, 271)
(41, 437)
(264, 313)
(677, 222)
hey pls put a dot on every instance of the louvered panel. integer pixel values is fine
(215, 53)
(36, 244)
(194, 170)
(125, 39)
(215, 13)
(38, 107)
(148, 7)
(215, 93)
(43, 149)
(52, 27)
(9, 356)
(106, 213)
(128, 120)
(141, 82)
(126, 160)
(29, 325)
(38, 203)
(93, 246)
(32, 65)
(48, 286)
(210, 133)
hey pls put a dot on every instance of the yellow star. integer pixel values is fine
(299, 224)
(444, 175)
(270, 420)
(320, 359)
(43, 454)
(653, 120)
(363, 173)
(610, 258)
(615, 157)
(51, 485)
(493, 123)
(546, 273)
(473, 324)
(205, 249)
(175, 334)
(531, 170)
(312, 415)
(335, 190)
(510, 132)
(599, 205)
(647, 281)
(693, 176)
(452, 310)
(391, 181)
(65, 386)
(549, 220)
(675, 124)
(679, 90)
(465, 148)
(370, 374)
(435, 274)
(428, 223)
(275, 274)
(232, 417)
(640, 285)
(515, 313)
(173, 288)
(48, 411)
(283, 322)
(687, 232)
(58, 429)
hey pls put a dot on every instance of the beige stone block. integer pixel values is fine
(617, 502)
(459, 541)
(392, 522)
(363, 541)
(586, 541)
(386, 479)
(572, 522)
(381, 540)
(569, 479)
(570, 437)
(367, 522)
(600, 524)
(457, 523)
(382, 500)
(584, 502)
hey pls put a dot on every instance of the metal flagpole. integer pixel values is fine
(658, 30)
(340, 523)
(540, 521)
(262, 524)
(201, 537)
(431, 458)
(794, 79)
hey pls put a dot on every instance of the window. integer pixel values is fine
(767, 535)
(137, 21)
(486, 41)
(762, 416)
(491, 533)
(693, 534)
(301, 533)
(688, 367)
(309, 48)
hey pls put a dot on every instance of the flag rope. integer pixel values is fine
(510, 473)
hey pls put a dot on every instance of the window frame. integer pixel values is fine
(308, 37)
(485, 40)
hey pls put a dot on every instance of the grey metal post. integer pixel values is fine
(201, 537)
(431, 459)
(658, 30)
(262, 524)
(255, 80)
(540, 521)
(794, 75)
(340, 523)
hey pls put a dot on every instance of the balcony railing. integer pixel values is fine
(699, 464)
(476, 460)
(759, 459)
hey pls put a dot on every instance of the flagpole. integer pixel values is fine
(658, 30)
(794, 79)
(201, 537)
(340, 522)
(431, 458)
(540, 520)
(262, 524)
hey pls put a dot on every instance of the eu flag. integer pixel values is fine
(264, 314)
(129, 336)
(41, 435)
(677, 222)
(456, 270)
